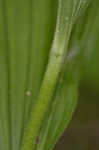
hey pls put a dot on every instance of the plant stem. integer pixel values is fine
(44, 97)
(58, 51)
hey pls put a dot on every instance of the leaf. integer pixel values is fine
(4, 103)
(56, 119)
(66, 17)
(91, 68)
(60, 111)
(25, 66)
(26, 35)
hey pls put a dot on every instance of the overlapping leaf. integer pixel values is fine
(26, 34)
(66, 17)
(83, 41)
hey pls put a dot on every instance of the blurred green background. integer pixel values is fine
(83, 131)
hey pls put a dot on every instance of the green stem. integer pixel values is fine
(42, 102)
(58, 51)
(44, 97)
(67, 12)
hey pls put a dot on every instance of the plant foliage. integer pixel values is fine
(45, 46)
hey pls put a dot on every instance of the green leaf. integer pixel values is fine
(40, 70)
(17, 20)
(23, 46)
(80, 51)
(91, 68)
(4, 77)
(60, 111)
(66, 17)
